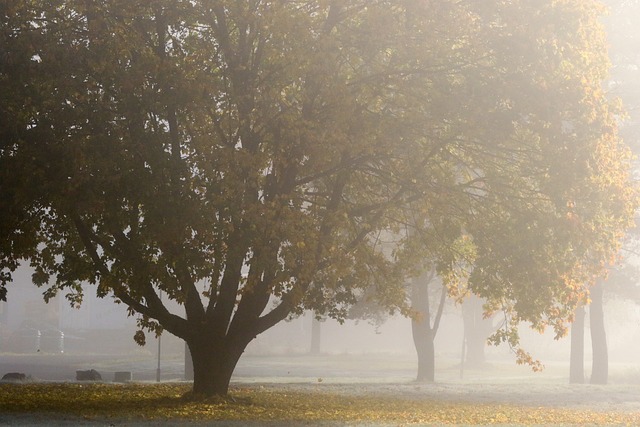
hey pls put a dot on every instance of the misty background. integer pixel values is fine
(100, 331)
(29, 326)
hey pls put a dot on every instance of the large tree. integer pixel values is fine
(247, 159)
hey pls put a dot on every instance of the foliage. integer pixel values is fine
(620, 22)
(249, 159)
(623, 278)
(136, 402)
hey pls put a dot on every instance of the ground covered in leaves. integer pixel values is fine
(132, 403)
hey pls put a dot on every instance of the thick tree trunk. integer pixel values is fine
(576, 359)
(188, 363)
(600, 364)
(213, 366)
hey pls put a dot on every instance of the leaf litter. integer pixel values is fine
(287, 403)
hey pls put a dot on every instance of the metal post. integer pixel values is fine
(159, 348)
(158, 369)
(462, 354)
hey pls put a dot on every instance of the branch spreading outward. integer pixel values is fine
(252, 160)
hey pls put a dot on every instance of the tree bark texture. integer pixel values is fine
(188, 364)
(600, 364)
(576, 358)
(213, 366)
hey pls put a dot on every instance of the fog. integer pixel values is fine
(52, 341)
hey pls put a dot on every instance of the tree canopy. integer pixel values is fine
(254, 159)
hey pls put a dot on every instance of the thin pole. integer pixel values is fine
(159, 348)
(464, 342)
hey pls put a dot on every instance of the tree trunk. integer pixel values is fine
(213, 366)
(476, 330)
(424, 333)
(425, 349)
(421, 329)
(600, 364)
(576, 359)
(188, 363)
(315, 335)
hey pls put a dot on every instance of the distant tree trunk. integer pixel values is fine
(426, 351)
(423, 332)
(576, 359)
(315, 335)
(476, 330)
(600, 364)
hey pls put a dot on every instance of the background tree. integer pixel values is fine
(623, 45)
(425, 322)
(477, 328)
(245, 158)
(316, 331)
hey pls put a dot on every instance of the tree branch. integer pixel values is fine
(436, 321)
(220, 315)
(87, 239)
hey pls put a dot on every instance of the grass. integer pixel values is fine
(147, 402)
